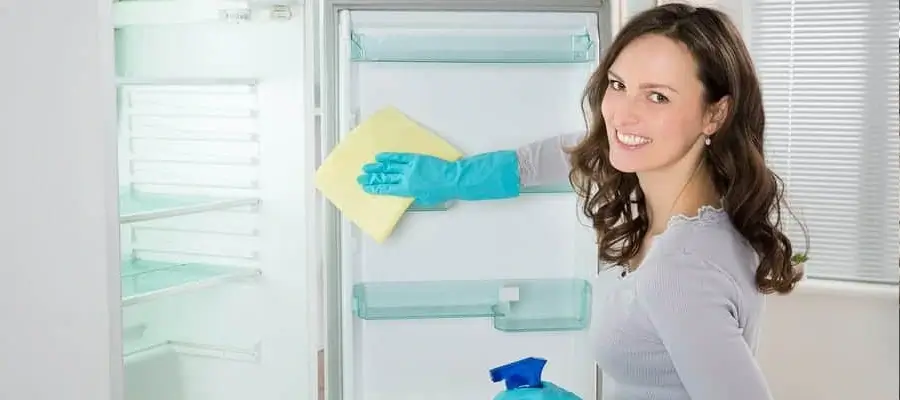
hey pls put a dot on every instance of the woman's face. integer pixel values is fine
(654, 107)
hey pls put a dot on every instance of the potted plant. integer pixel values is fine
(798, 260)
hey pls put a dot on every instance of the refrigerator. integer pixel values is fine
(240, 281)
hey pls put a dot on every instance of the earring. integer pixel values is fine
(707, 141)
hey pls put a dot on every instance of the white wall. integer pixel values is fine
(833, 341)
(58, 294)
(828, 341)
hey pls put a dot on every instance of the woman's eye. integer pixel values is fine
(658, 98)
(616, 85)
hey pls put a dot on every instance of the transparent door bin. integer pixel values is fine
(548, 189)
(424, 300)
(534, 190)
(514, 305)
(549, 305)
(446, 47)
(424, 208)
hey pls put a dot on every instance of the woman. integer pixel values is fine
(672, 174)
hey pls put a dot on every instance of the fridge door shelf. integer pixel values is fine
(144, 280)
(521, 305)
(549, 189)
(423, 208)
(135, 206)
(447, 47)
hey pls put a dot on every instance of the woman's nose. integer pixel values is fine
(626, 112)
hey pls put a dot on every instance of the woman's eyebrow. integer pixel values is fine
(649, 85)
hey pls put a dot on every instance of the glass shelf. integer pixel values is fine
(208, 351)
(446, 48)
(136, 206)
(143, 279)
(515, 305)
(204, 81)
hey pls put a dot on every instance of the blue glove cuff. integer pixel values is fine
(488, 176)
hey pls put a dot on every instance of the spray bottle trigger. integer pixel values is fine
(525, 373)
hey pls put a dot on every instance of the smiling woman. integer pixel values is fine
(678, 92)
(672, 174)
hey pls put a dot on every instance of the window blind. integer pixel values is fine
(830, 80)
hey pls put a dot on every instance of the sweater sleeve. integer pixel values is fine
(694, 307)
(544, 162)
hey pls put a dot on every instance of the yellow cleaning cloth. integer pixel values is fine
(386, 130)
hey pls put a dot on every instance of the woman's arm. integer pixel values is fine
(695, 308)
(486, 176)
(545, 162)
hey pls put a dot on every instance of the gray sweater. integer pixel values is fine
(685, 324)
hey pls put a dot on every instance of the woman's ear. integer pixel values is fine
(716, 114)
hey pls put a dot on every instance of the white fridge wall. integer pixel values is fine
(478, 108)
(58, 296)
(234, 127)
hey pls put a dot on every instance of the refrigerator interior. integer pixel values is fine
(214, 199)
(465, 287)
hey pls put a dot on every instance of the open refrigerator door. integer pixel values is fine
(213, 150)
(460, 288)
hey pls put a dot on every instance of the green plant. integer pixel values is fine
(799, 258)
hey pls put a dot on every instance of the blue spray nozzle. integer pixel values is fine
(518, 374)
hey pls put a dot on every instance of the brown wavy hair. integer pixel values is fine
(752, 193)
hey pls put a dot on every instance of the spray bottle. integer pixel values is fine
(523, 382)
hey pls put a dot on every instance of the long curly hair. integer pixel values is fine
(752, 193)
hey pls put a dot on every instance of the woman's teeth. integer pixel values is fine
(632, 140)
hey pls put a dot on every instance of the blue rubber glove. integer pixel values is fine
(431, 180)
(549, 391)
